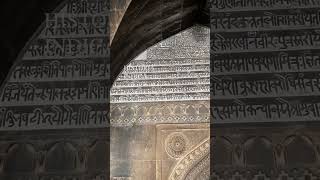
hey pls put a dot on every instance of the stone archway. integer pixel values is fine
(145, 23)
(174, 15)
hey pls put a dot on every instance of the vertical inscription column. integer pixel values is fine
(62, 79)
(265, 60)
(54, 104)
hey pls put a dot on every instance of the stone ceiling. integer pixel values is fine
(118, 9)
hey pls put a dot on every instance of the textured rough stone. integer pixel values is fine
(45, 115)
(143, 145)
(147, 22)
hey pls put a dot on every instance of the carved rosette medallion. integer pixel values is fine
(176, 145)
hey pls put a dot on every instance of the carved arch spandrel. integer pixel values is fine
(190, 160)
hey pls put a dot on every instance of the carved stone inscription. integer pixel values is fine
(176, 69)
(265, 60)
(168, 83)
(61, 79)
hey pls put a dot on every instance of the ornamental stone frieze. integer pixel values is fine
(128, 114)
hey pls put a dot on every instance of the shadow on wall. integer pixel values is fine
(20, 21)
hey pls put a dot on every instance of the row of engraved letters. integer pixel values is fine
(267, 20)
(253, 4)
(55, 116)
(167, 62)
(265, 63)
(156, 76)
(68, 47)
(156, 90)
(161, 97)
(29, 93)
(84, 25)
(288, 85)
(160, 82)
(160, 69)
(88, 7)
(223, 43)
(275, 110)
(55, 70)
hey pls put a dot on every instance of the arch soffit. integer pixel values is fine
(145, 23)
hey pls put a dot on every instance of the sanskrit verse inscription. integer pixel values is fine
(61, 79)
(265, 60)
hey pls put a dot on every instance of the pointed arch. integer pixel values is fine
(145, 23)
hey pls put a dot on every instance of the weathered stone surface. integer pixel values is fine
(56, 91)
(50, 154)
(156, 151)
(265, 70)
(151, 135)
(61, 78)
(168, 83)
(183, 151)
(20, 20)
(147, 22)
(269, 151)
(117, 10)
(264, 105)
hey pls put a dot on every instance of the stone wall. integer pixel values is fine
(160, 108)
(266, 151)
(158, 151)
(264, 89)
(133, 152)
(54, 155)
(54, 102)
